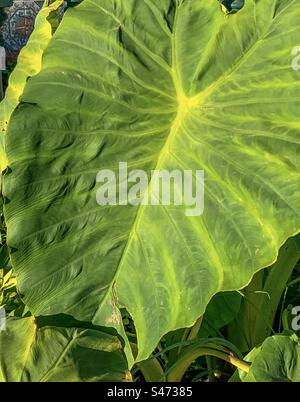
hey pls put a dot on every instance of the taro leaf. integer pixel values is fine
(29, 64)
(50, 354)
(154, 83)
(277, 360)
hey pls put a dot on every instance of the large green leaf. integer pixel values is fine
(29, 64)
(277, 360)
(49, 354)
(160, 84)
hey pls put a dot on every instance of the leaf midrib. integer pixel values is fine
(178, 87)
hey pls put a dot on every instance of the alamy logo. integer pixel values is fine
(165, 187)
(296, 320)
(296, 59)
(2, 319)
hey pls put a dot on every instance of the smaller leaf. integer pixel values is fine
(276, 360)
(50, 354)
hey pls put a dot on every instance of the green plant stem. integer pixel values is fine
(177, 337)
(182, 335)
(256, 317)
(210, 366)
(275, 285)
(151, 369)
(177, 371)
(286, 319)
(195, 329)
(240, 330)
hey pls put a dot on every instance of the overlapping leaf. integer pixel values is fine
(221, 310)
(29, 64)
(49, 354)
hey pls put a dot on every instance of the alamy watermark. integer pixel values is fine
(296, 67)
(2, 319)
(296, 319)
(296, 58)
(164, 187)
